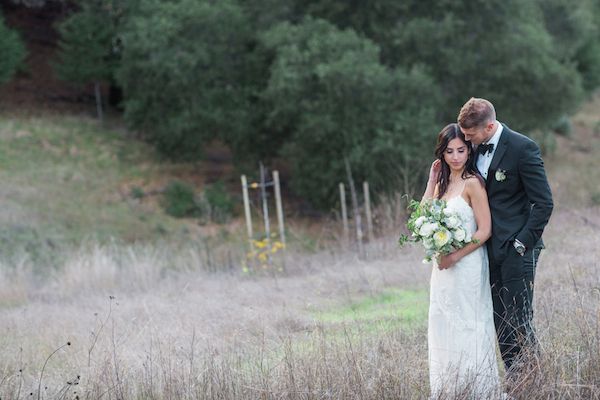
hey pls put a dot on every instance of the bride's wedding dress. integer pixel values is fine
(461, 335)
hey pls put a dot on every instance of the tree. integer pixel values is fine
(33, 3)
(89, 45)
(264, 14)
(532, 59)
(184, 73)
(375, 19)
(575, 29)
(12, 50)
(496, 49)
(373, 83)
(331, 99)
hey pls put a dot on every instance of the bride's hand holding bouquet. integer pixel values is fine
(440, 229)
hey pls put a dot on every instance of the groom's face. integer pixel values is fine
(479, 134)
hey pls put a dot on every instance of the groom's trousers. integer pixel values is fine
(511, 281)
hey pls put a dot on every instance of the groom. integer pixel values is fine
(521, 203)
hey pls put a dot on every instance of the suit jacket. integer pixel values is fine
(518, 193)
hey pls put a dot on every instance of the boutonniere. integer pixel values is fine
(500, 175)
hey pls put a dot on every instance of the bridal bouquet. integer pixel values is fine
(440, 229)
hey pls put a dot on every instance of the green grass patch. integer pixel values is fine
(390, 309)
(64, 180)
(361, 323)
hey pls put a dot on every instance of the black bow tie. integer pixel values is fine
(484, 148)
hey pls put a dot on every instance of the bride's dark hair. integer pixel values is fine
(452, 131)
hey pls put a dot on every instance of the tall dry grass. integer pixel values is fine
(155, 323)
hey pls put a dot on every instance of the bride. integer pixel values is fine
(461, 335)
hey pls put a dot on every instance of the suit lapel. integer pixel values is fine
(498, 154)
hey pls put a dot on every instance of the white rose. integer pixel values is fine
(441, 237)
(427, 229)
(460, 234)
(447, 211)
(419, 221)
(452, 221)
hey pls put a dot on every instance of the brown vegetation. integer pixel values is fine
(152, 323)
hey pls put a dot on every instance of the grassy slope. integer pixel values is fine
(65, 179)
(70, 178)
(574, 166)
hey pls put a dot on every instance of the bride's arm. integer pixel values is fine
(479, 203)
(434, 172)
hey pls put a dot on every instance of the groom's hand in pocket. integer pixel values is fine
(447, 261)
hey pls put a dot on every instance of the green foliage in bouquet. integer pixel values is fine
(415, 206)
(440, 229)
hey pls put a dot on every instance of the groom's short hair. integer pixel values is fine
(476, 112)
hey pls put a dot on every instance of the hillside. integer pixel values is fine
(574, 165)
(68, 179)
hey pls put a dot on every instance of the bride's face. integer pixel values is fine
(456, 154)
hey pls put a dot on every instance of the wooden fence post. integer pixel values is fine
(368, 210)
(263, 194)
(357, 218)
(279, 207)
(346, 231)
(247, 208)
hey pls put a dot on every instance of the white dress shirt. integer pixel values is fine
(484, 161)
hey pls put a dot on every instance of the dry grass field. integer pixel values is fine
(118, 321)
(331, 327)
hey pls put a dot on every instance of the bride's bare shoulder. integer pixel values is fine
(475, 181)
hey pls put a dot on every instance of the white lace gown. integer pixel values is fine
(461, 335)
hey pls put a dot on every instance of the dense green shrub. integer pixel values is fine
(546, 140)
(563, 126)
(137, 193)
(575, 29)
(533, 59)
(499, 50)
(12, 52)
(219, 201)
(184, 73)
(318, 82)
(213, 205)
(88, 47)
(332, 100)
(180, 200)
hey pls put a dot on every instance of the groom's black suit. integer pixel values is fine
(521, 204)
